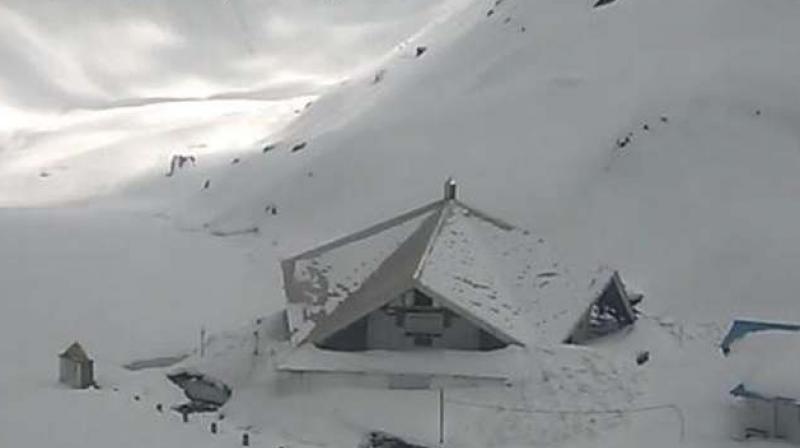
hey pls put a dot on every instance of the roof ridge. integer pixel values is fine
(75, 352)
(423, 259)
(366, 232)
(486, 216)
(479, 269)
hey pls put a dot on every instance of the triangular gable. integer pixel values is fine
(320, 305)
(475, 319)
(317, 282)
(619, 297)
(613, 312)
(393, 277)
(75, 352)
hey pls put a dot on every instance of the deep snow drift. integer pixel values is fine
(656, 137)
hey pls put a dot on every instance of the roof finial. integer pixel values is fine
(450, 188)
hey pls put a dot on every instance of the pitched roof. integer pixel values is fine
(75, 352)
(767, 364)
(741, 327)
(503, 279)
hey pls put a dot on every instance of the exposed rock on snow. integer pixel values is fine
(379, 439)
(600, 3)
(205, 393)
(155, 363)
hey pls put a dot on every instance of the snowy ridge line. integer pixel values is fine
(674, 407)
(449, 11)
(423, 260)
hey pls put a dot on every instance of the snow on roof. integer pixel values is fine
(741, 327)
(75, 352)
(768, 364)
(319, 281)
(459, 268)
(509, 276)
(504, 279)
(497, 364)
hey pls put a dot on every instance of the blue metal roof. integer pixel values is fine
(744, 392)
(740, 328)
(741, 391)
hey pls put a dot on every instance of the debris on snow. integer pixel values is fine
(380, 439)
(206, 394)
(235, 232)
(379, 75)
(178, 161)
(155, 363)
(600, 3)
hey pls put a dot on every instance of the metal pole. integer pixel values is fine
(441, 416)
(203, 340)
(255, 345)
(774, 418)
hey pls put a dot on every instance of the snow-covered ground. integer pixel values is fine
(660, 138)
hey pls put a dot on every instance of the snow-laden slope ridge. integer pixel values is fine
(141, 82)
(93, 154)
(529, 123)
(525, 107)
(695, 207)
(107, 51)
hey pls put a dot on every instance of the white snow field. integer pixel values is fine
(659, 138)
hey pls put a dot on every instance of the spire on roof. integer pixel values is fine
(450, 188)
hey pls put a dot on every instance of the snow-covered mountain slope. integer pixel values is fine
(656, 137)
(147, 80)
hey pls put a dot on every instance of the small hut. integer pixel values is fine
(76, 370)
(766, 400)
